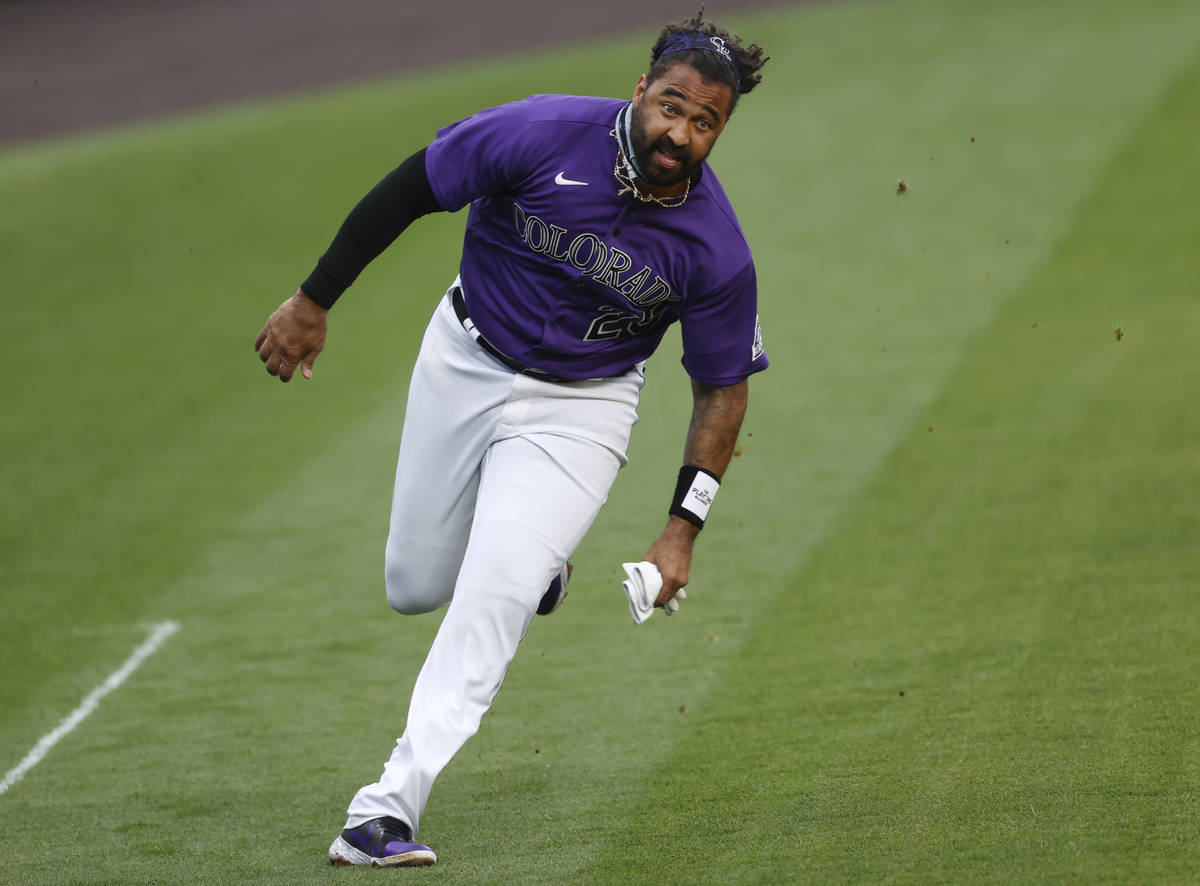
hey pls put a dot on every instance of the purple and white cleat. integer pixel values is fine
(380, 842)
(557, 592)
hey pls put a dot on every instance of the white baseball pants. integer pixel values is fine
(499, 478)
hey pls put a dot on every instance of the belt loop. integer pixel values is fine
(460, 310)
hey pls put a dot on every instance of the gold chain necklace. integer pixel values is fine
(623, 173)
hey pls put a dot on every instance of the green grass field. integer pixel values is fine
(942, 626)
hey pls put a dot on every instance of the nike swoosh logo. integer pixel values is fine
(561, 179)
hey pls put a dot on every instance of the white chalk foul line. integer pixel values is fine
(157, 636)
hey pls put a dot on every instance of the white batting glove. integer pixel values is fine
(642, 588)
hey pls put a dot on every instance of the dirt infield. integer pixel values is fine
(75, 65)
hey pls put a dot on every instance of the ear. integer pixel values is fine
(640, 89)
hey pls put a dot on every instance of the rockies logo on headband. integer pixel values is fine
(686, 40)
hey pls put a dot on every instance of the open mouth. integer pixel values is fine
(667, 161)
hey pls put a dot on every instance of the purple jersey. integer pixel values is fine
(565, 276)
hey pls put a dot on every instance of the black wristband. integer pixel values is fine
(694, 493)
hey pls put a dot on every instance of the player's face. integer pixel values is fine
(676, 121)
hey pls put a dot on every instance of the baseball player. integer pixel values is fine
(594, 224)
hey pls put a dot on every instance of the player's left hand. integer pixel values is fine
(672, 554)
(293, 337)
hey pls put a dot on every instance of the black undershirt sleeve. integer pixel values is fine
(391, 206)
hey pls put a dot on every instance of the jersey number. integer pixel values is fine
(613, 324)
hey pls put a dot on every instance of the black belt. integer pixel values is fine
(460, 309)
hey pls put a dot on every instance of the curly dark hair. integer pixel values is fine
(711, 66)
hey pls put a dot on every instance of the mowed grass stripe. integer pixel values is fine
(684, 658)
(985, 674)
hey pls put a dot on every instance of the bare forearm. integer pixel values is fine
(717, 416)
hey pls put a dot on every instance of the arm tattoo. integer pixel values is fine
(717, 414)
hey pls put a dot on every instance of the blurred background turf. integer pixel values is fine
(954, 482)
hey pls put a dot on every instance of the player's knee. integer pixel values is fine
(403, 592)
(414, 588)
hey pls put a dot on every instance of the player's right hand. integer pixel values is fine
(294, 336)
(671, 553)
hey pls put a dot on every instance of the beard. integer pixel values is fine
(644, 149)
